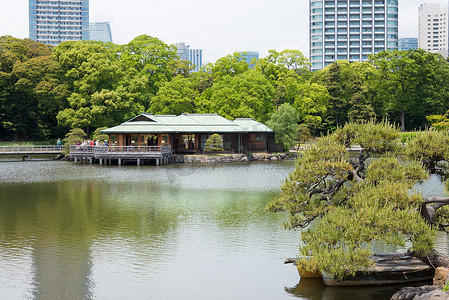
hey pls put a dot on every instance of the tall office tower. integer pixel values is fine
(433, 28)
(408, 43)
(182, 50)
(54, 21)
(351, 29)
(100, 31)
(249, 56)
(195, 56)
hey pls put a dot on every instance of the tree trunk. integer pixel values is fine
(402, 120)
(434, 259)
(88, 131)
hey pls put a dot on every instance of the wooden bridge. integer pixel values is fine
(27, 151)
(121, 154)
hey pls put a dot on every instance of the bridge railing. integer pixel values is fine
(37, 149)
(87, 149)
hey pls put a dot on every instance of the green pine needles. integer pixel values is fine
(214, 143)
(354, 200)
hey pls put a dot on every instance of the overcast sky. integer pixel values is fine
(218, 27)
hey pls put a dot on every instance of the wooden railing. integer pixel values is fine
(87, 149)
(31, 149)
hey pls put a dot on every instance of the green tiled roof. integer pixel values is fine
(187, 123)
(250, 125)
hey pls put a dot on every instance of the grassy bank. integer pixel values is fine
(25, 143)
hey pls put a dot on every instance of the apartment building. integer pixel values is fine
(351, 30)
(433, 28)
(54, 21)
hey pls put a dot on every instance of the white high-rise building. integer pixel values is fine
(433, 28)
(55, 21)
(351, 30)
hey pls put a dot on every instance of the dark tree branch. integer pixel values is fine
(428, 212)
(434, 259)
(305, 223)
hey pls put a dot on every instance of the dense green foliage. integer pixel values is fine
(214, 143)
(73, 137)
(45, 91)
(353, 201)
(284, 123)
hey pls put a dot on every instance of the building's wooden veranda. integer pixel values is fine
(108, 155)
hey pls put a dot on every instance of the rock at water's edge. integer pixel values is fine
(441, 277)
(426, 292)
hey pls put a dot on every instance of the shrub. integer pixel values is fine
(214, 143)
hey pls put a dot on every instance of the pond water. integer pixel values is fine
(170, 232)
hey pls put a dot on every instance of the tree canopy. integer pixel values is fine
(344, 203)
(46, 91)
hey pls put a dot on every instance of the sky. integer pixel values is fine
(218, 27)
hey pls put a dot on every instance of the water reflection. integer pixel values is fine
(191, 232)
(316, 289)
(84, 232)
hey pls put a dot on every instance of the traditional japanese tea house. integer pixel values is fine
(187, 133)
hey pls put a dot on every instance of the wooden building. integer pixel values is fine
(187, 133)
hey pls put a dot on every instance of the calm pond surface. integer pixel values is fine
(170, 232)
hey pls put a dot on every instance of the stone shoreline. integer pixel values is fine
(219, 158)
(232, 158)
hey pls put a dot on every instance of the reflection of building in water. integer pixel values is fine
(60, 272)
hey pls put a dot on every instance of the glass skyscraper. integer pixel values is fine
(249, 56)
(195, 56)
(408, 43)
(55, 21)
(351, 29)
(100, 31)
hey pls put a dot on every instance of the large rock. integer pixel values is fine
(441, 276)
(427, 292)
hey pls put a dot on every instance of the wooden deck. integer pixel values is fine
(26, 151)
(121, 154)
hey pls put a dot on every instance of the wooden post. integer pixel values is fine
(101, 161)
(138, 161)
(119, 161)
(157, 161)
(75, 160)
